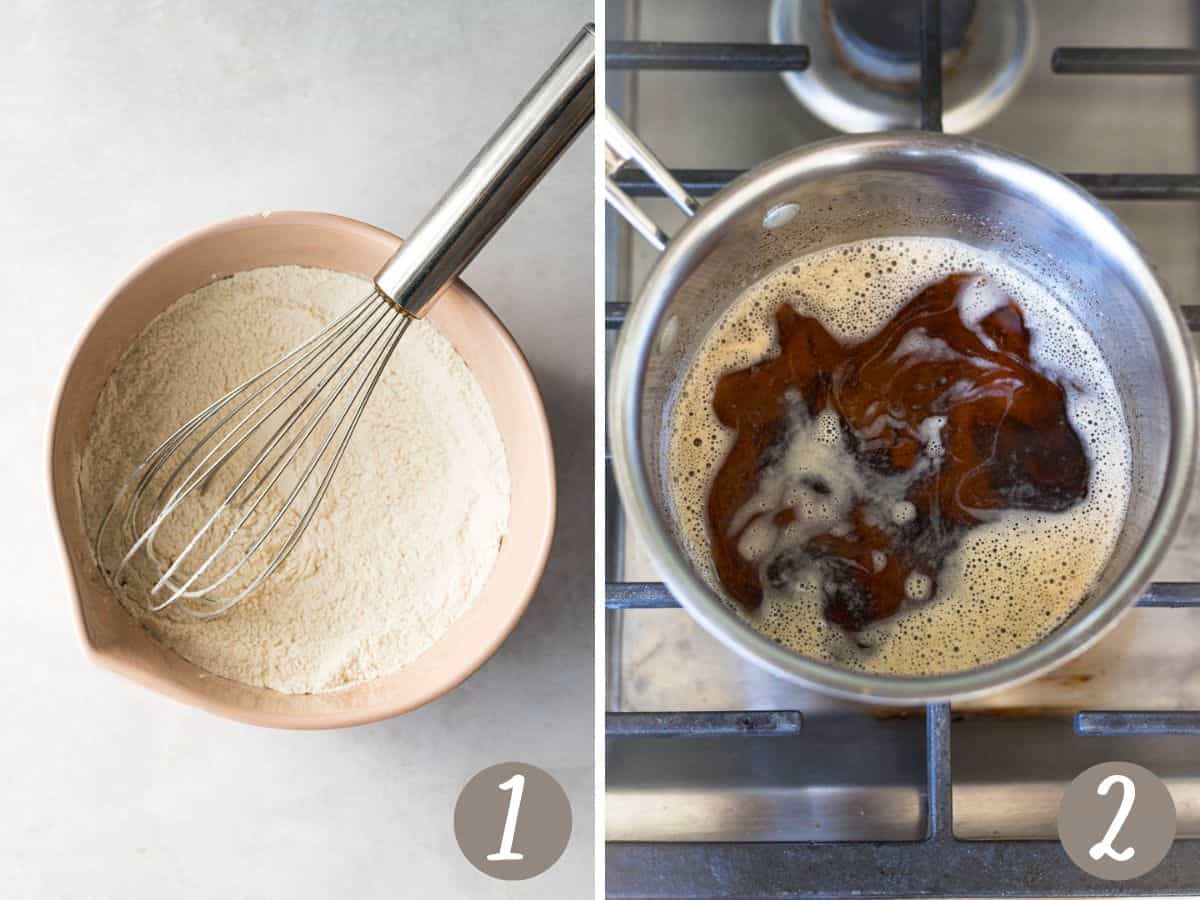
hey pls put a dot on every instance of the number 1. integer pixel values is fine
(516, 784)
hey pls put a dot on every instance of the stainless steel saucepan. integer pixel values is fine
(892, 184)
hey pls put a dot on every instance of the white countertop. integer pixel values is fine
(124, 125)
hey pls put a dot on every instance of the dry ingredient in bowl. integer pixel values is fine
(411, 526)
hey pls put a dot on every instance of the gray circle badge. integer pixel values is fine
(1116, 821)
(512, 821)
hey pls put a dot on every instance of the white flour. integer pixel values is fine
(410, 529)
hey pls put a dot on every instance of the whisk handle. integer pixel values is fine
(496, 180)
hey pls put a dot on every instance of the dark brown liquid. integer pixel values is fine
(1008, 444)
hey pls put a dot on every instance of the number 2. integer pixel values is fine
(516, 784)
(1104, 847)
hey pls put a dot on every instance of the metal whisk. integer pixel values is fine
(218, 506)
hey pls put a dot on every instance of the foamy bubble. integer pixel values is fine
(1011, 581)
(917, 586)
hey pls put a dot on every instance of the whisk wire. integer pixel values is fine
(135, 486)
(310, 511)
(392, 333)
(298, 365)
(295, 395)
(198, 477)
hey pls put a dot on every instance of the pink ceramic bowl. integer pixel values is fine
(110, 636)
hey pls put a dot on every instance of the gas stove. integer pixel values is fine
(723, 780)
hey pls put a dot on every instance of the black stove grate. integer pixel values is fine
(940, 865)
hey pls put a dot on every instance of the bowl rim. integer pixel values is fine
(324, 719)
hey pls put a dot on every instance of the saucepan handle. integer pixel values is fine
(622, 147)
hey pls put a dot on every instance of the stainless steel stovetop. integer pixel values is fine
(859, 773)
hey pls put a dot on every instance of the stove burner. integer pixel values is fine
(882, 42)
(864, 66)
